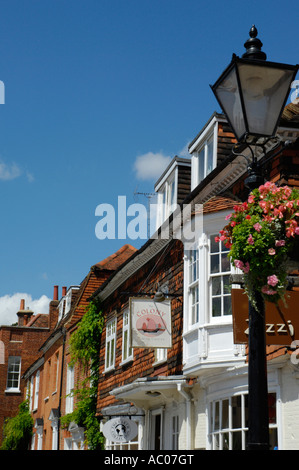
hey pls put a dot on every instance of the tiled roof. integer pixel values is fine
(114, 261)
(95, 278)
(218, 203)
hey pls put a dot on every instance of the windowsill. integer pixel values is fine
(160, 362)
(12, 390)
(126, 361)
(110, 369)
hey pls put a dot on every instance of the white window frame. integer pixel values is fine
(217, 432)
(193, 287)
(220, 275)
(110, 346)
(36, 390)
(167, 197)
(13, 368)
(69, 400)
(211, 132)
(127, 350)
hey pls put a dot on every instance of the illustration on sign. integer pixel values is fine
(151, 323)
(120, 429)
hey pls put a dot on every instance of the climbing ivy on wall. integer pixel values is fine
(18, 430)
(85, 350)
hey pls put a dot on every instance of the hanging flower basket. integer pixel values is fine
(262, 234)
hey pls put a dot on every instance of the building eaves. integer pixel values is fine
(55, 336)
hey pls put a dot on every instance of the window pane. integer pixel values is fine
(225, 409)
(216, 306)
(215, 263)
(237, 440)
(227, 305)
(216, 285)
(210, 148)
(201, 165)
(194, 305)
(216, 419)
(214, 245)
(225, 264)
(236, 411)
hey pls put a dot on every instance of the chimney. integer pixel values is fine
(23, 315)
(53, 311)
(55, 295)
(63, 291)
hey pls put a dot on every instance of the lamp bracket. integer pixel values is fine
(254, 168)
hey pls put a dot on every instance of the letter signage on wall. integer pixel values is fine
(150, 323)
(281, 327)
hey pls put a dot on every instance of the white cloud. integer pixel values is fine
(184, 153)
(30, 177)
(10, 305)
(151, 165)
(9, 172)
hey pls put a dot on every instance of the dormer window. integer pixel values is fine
(205, 158)
(172, 188)
(204, 149)
(168, 198)
(68, 298)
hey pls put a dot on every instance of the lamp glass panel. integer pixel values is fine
(264, 92)
(228, 95)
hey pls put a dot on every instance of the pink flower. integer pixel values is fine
(271, 251)
(280, 243)
(246, 268)
(272, 280)
(250, 240)
(250, 199)
(228, 217)
(257, 227)
(239, 264)
(266, 290)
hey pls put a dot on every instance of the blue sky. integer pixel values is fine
(90, 86)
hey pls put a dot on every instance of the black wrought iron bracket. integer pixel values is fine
(254, 167)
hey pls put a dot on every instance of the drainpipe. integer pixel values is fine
(188, 399)
(60, 391)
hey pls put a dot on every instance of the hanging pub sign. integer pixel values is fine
(120, 429)
(281, 326)
(150, 323)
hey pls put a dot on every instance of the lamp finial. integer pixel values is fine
(253, 46)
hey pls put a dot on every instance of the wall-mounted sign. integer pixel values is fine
(150, 323)
(281, 328)
(120, 429)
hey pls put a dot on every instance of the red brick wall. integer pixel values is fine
(168, 270)
(18, 341)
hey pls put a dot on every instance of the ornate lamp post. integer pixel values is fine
(252, 93)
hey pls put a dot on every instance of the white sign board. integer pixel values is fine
(150, 323)
(120, 429)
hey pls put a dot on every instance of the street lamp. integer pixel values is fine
(252, 93)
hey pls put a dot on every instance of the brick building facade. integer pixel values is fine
(50, 379)
(19, 345)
